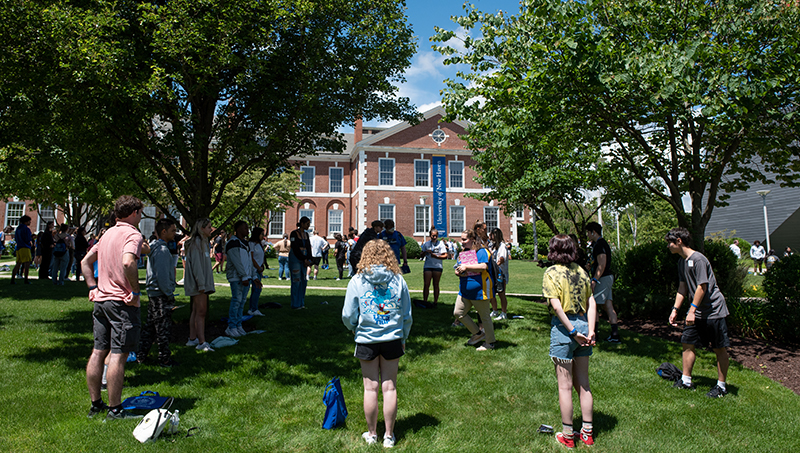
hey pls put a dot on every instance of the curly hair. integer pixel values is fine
(378, 252)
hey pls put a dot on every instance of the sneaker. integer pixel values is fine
(494, 314)
(241, 330)
(194, 342)
(232, 332)
(338, 279)
(255, 312)
(104, 386)
(94, 410)
(500, 316)
(568, 442)
(371, 440)
(717, 392)
(585, 437)
(680, 385)
(122, 414)
(614, 339)
(486, 346)
(388, 442)
(475, 339)
(205, 347)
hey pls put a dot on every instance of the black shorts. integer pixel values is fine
(705, 332)
(390, 350)
(116, 327)
(315, 260)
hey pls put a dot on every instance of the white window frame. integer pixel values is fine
(463, 226)
(519, 214)
(490, 226)
(427, 173)
(381, 207)
(426, 221)
(307, 213)
(451, 173)
(307, 170)
(332, 230)
(43, 218)
(331, 179)
(13, 220)
(381, 172)
(274, 214)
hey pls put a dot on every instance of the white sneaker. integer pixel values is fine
(241, 330)
(194, 342)
(371, 440)
(494, 314)
(388, 442)
(205, 347)
(338, 279)
(232, 332)
(500, 316)
(255, 313)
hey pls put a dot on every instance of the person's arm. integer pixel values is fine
(161, 264)
(405, 304)
(582, 339)
(592, 315)
(131, 269)
(87, 269)
(404, 254)
(350, 311)
(699, 295)
(679, 297)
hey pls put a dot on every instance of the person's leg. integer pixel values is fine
(612, 314)
(192, 318)
(15, 271)
(688, 359)
(316, 270)
(115, 377)
(200, 309)
(723, 362)
(580, 380)
(493, 304)
(163, 328)
(484, 310)
(564, 377)
(297, 274)
(461, 313)
(503, 302)
(436, 277)
(238, 292)
(370, 370)
(148, 330)
(427, 276)
(389, 389)
(64, 271)
(25, 269)
(303, 286)
(255, 293)
(283, 267)
(94, 372)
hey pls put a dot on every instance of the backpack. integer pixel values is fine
(669, 371)
(60, 248)
(495, 273)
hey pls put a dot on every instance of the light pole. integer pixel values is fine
(763, 194)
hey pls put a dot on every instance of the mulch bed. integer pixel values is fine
(781, 363)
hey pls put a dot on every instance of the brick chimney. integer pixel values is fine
(359, 132)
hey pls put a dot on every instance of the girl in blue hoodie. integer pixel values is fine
(377, 308)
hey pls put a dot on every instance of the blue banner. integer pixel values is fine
(439, 173)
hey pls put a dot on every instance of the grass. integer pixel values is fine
(265, 393)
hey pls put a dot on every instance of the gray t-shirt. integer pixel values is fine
(694, 272)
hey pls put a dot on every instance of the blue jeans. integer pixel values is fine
(283, 267)
(255, 293)
(238, 296)
(299, 281)
(59, 268)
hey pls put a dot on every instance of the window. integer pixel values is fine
(422, 219)
(46, 214)
(386, 211)
(520, 214)
(421, 170)
(307, 179)
(456, 174)
(335, 220)
(276, 223)
(13, 212)
(335, 177)
(457, 224)
(310, 214)
(386, 172)
(490, 216)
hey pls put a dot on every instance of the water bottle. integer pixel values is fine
(173, 423)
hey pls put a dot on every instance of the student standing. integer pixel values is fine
(239, 273)
(434, 251)
(198, 282)
(299, 260)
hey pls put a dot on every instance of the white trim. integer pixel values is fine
(394, 172)
(496, 210)
(341, 181)
(449, 176)
(428, 228)
(341, 222)
(283, 225)
(463, 210)
(16, 217)
(428, 162)
(313, 179)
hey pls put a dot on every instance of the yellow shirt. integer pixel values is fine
(570, 285)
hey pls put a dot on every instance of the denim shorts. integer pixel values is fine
(564, 347)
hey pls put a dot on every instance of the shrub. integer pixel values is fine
(413, 250)
(543, 234)
(782, 283)
(270, 252)
(647, 277)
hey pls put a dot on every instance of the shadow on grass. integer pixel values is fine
(603, 423)
(414, 424)
(41, 289)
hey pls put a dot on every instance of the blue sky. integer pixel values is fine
(425, 77)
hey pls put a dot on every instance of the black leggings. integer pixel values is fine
(340, 265)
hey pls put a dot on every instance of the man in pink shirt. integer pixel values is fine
(115, 294)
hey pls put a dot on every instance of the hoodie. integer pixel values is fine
(377, 306)
(240, 263)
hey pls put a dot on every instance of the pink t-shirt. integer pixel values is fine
(111, 281)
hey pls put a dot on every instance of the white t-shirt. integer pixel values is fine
(496, 254)
(438, 248)
(317, 244)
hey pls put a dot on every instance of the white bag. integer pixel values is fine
(151, 426)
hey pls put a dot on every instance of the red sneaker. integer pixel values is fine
(568, 442)
(585, 437)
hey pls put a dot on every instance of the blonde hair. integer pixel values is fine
(477, 241)
(378, 252)
(196, 235)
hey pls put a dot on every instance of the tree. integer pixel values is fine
(695, 95)
(277, 193)
(186, 97)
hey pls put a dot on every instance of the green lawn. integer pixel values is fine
(265, 393)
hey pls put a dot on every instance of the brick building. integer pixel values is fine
(11, 209)
(418, 176)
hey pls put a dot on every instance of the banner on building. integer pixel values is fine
(439, 173)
